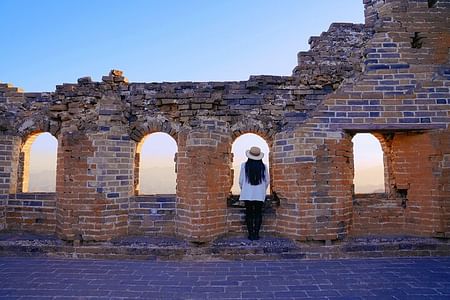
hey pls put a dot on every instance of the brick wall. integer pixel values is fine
(415, 165)
(313, 176)
(2, 212)
(34, 212)
(236, 221)
(418, 201)
(377, 214)
(389, 77)
(152, 214)
(202, 198)
(78, 206)
(9, 157)
(403, 85)
(23, 172)
(441, 171)
(333, 56)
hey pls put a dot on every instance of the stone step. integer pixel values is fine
(226, 248)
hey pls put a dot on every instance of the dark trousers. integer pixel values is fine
(253, 217)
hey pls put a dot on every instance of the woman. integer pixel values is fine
(253, 181)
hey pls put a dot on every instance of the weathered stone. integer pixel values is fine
(355, 78)
(84, 80)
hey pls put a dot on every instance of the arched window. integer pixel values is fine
(368, 164)
(240, 145)
(156, 166)
(39, 163)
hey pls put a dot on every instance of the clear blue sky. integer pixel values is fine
(48, 42)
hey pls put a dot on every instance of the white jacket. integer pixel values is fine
(252, 192)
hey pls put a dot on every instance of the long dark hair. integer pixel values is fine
(255, 171)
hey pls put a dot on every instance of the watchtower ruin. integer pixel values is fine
(389, 77)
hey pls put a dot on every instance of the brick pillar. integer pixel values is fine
(136, 170)
(203, 183)
(313, 178)
(95, 162)
(94, 184)
(10, 149)
(334, 188)
(420, 163)
(23, 173)
(78, 206)
(441, 171)
(9, 161)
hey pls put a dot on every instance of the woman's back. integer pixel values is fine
(253, 180)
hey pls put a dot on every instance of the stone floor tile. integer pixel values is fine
(406, 278)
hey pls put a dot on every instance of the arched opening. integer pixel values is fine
(38, 163)
(240, 145)
(368, 164)
(156, 165)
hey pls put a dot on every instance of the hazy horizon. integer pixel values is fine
(164, 183)
(157, 166)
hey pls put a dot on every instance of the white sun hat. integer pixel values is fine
(254, 153)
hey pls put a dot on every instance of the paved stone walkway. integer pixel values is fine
(396, 278)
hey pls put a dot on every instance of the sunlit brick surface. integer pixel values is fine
(389, 77)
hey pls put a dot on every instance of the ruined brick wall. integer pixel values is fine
(418, 202)
(313, 176)
(400, 88)
(34, 212)
(405, 87)
(9, 152)
(23, 115)
(96, 156)
(152, 214)
(378, 214)
(419, 170)
(236, 218)
(389, 77)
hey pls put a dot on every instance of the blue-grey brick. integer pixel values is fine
(377, 67)
(358, 102)
(357, 114)
(389, 82)
(399, 66)
(371, 61)
(385, 88)
(304, 159)
(409, 120)
(341, 120)
(390, 55)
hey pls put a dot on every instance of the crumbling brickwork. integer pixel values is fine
(389, 77)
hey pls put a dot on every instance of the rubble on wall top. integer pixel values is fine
(115, 76)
